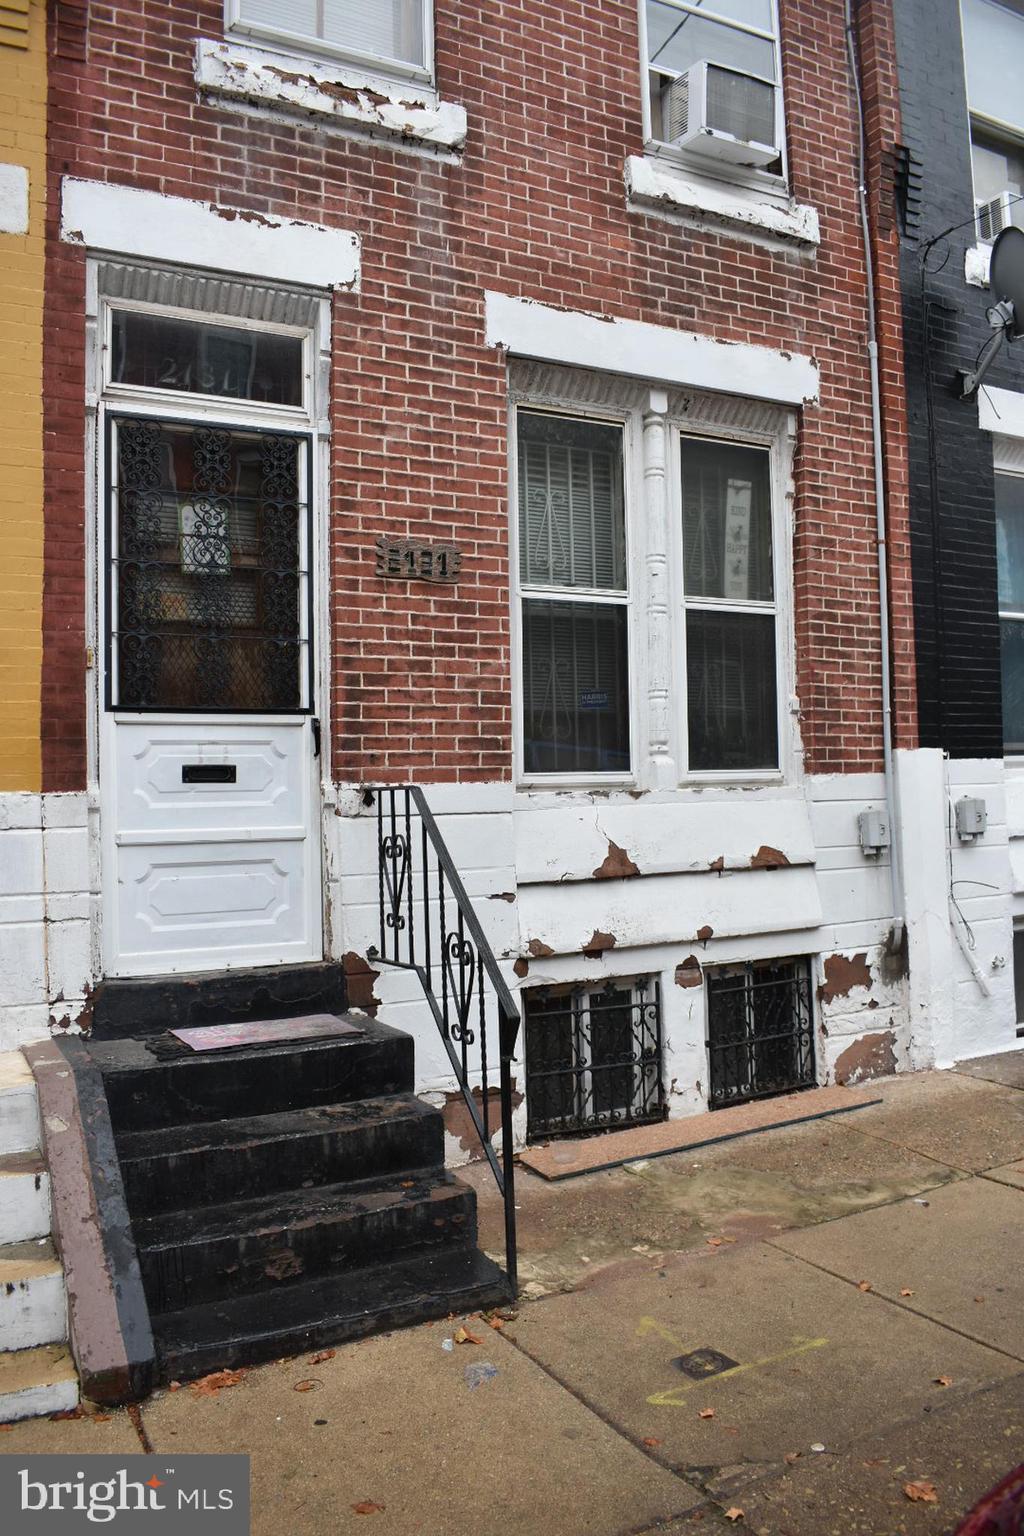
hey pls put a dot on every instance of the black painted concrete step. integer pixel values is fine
(213, 1161)
(244, 1330)
(145, 1091)
(125, 1009)
(191, 1256)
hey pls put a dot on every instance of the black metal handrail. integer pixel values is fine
(428, 925)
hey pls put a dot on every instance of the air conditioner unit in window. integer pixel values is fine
(998, 213)
(721, 113)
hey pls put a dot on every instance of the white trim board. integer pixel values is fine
(656, 352)
(1001, 410)
(131, 222)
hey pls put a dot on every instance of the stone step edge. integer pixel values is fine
(39, 1380)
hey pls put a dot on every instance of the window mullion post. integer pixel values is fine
(662, 772)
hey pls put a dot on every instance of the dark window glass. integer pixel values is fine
(161, 352)
(760, 1030)
(731, 691)
(1018, 972)
(208, 581)
(571, 530)
(575, 687)
(727, 521)
(1010, 560)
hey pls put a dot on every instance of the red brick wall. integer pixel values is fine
(421, 681)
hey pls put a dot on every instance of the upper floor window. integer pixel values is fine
(994, 62)
(389, 36)
(713, 82)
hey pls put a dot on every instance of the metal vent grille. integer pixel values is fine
(675, 107)
(741, 106)
(995, 216)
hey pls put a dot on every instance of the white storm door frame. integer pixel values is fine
(202, 410)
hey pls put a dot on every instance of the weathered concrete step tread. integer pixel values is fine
(39, 1380)
(329, 1310)
(28, 1164)
(27, 1261)
(19, 1114)
(294, 1210)
(280, 1125)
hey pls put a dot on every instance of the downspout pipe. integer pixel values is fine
(895, 858)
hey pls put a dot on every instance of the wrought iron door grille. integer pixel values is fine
(593, 1058)
(209, 590)
(760, 1030)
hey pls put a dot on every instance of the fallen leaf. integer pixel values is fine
(979, 1298)
(209, 1386)
(66, 1413)
(463, 1336)
(906, 1292)
(368, 1507)
(651, 1441)
(864, 1285)
(734, 1513)
(497, 1323)
(408, 1183)
(321, 1356)
(943, 1381)
(174, 1386)
(791, 1457)
(310, 1384)
(101, 1418)
(714, 1242)
(921, 1493)
(706, 1413)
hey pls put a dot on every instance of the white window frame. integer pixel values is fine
(703, 165)
(589, 595)
(686, 604)
(304, 44)
(725, 419)
(1012, 471)
(993, 127)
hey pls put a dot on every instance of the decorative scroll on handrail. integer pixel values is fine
(428, 925)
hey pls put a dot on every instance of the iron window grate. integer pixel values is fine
(760, 1030)
(593, 1057)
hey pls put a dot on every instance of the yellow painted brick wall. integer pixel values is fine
(22, 144)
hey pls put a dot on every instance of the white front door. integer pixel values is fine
(209, 779)
(213, 851)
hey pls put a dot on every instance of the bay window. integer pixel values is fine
(649, 596)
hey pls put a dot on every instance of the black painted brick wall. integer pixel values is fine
(951, 476)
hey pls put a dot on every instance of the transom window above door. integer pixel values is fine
(627, 611)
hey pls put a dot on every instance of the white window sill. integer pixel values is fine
(656, 186)
(329, 95)
(976, 265)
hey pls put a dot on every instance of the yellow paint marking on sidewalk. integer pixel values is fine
(651, 1325)
(674, 1396)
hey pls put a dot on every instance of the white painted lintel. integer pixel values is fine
(127, 221)
(685, 359)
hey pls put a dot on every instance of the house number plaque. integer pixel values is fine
(414, 560)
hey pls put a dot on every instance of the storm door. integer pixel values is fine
(208, 774)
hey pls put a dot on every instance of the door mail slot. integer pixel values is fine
(209, 773)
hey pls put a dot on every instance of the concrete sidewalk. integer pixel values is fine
(798, 1326)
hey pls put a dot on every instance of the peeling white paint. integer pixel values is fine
(654, 186)
(13, 199)
(977, 260)
(128, 221)
(656, 352)
(332, 95)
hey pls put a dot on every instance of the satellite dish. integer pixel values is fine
(1006, 313)
(1006, 277)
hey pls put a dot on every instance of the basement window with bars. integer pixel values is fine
(760, 1030)
(393, 37)
(593, 1057)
